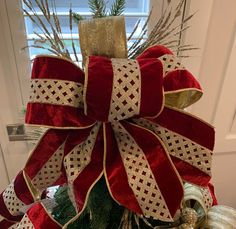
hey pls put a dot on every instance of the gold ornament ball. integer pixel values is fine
(189, 216)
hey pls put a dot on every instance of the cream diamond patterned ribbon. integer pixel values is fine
(140, 176)
(80, 155)
(170, 63)
(58, 92)
(25, 223)
(126, 91)
(13, 203)
(181, 147)
(51, 170)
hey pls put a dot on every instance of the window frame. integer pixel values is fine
(18, 40)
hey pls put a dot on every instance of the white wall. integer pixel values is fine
(4, 178)
(14, 154)
(213, 31)
(224, 177)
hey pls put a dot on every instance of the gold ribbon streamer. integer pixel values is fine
(182, 98)
(103, 37)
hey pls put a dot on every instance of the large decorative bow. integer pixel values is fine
(122, 119)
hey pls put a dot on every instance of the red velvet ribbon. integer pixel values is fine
(71, 127)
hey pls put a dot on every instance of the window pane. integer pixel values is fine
(36, 51)
(64, 23)
(138, 6)
(135, 10)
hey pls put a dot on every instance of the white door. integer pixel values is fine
(213, 31)
(12, 154)
(4, 176)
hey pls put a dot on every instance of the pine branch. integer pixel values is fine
(77, 17)
(100, 205)
(117, 8)
(98, 8)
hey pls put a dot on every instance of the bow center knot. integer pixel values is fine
(118, 89)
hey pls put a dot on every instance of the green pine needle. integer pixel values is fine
(64, 211)
(98, 8)
(77, 17)
(100, 205)
(117, 8)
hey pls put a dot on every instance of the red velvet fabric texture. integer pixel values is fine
(176, 79)
(45, 67)
(187, 125)
(22, 192)
(90, 174)
(5, 224)
(151, 87)
(213, 195)
(56, 116)
(86, 179)
(160, 165)
(116, 174)
(47, 146)
(100, 83)
(40, 218)
(99, 87)
(190, 173)
(154, 52)
(5, 213)
(21, 189)
(180, 79)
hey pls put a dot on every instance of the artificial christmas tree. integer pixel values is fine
(118, 141)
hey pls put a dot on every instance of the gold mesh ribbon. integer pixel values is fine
(103, 37)
(183, 98)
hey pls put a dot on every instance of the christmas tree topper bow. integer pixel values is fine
(121, 119)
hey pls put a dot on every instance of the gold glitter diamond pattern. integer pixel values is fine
(125, 101)
(80, 156)
(140, 176)
(181, 147)
(58, 92)
(170, 63)
(51, 171)
(12, 202)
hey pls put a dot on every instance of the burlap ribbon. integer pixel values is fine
(120, 119)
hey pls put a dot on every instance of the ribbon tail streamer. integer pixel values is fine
(83, 164)
(190, 150)
(139, 167)
(43, 169)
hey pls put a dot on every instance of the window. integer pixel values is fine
(134, 10)
(19, 32)
(15, 64)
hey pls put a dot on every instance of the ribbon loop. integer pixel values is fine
(117, 89)
(56, 94)
(180, 86)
